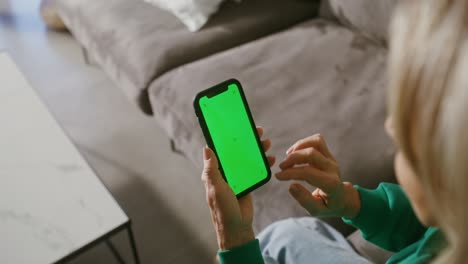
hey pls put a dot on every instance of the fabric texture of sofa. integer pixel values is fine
(304, 69)
(136, 42)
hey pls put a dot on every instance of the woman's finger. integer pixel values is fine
(260, 131)
(266, 144)
(311, 175)
(307, 156)
(210, 172)
(314, 205)
(271, 160)
(316, 141)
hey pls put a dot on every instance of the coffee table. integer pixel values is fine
(52, 204)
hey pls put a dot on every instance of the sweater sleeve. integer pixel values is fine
(386, 218)
(246, 254)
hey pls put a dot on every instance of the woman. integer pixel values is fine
(424, 218)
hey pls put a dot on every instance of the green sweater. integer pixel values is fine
(386, 219)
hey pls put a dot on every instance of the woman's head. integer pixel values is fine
(428, 105)
(411, 183)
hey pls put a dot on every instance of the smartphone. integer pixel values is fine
(229, 130)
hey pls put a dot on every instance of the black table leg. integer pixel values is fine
(136, 258)
(115, 252)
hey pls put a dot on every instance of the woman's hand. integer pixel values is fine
(231, 218)
(309, 160)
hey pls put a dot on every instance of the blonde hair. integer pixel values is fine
(428, 101)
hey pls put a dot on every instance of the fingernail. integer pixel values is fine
(206, 153)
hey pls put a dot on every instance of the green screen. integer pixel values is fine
(234, 139)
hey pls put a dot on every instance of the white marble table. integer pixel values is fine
(52, 205)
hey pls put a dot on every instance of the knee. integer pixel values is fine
(284, 231)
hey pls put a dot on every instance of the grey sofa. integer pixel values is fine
(306, 67)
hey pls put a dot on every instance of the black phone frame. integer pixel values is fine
(213, 91)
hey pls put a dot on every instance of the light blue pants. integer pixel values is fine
(306, 240)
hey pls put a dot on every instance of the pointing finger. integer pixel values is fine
(306, 156)
(316, 141)
(312, 176)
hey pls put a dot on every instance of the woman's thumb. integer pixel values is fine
(210, 164)
(303, 196)
(299, 193)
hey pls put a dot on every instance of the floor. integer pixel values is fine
(160, 191)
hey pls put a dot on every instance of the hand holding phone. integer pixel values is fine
(231, 217)
(230, 132)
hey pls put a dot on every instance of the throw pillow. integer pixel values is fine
(193, 13)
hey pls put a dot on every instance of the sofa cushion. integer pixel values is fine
(135, 42)
(314, 77)
(370, 17)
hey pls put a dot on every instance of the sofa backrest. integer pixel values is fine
(370, 17)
